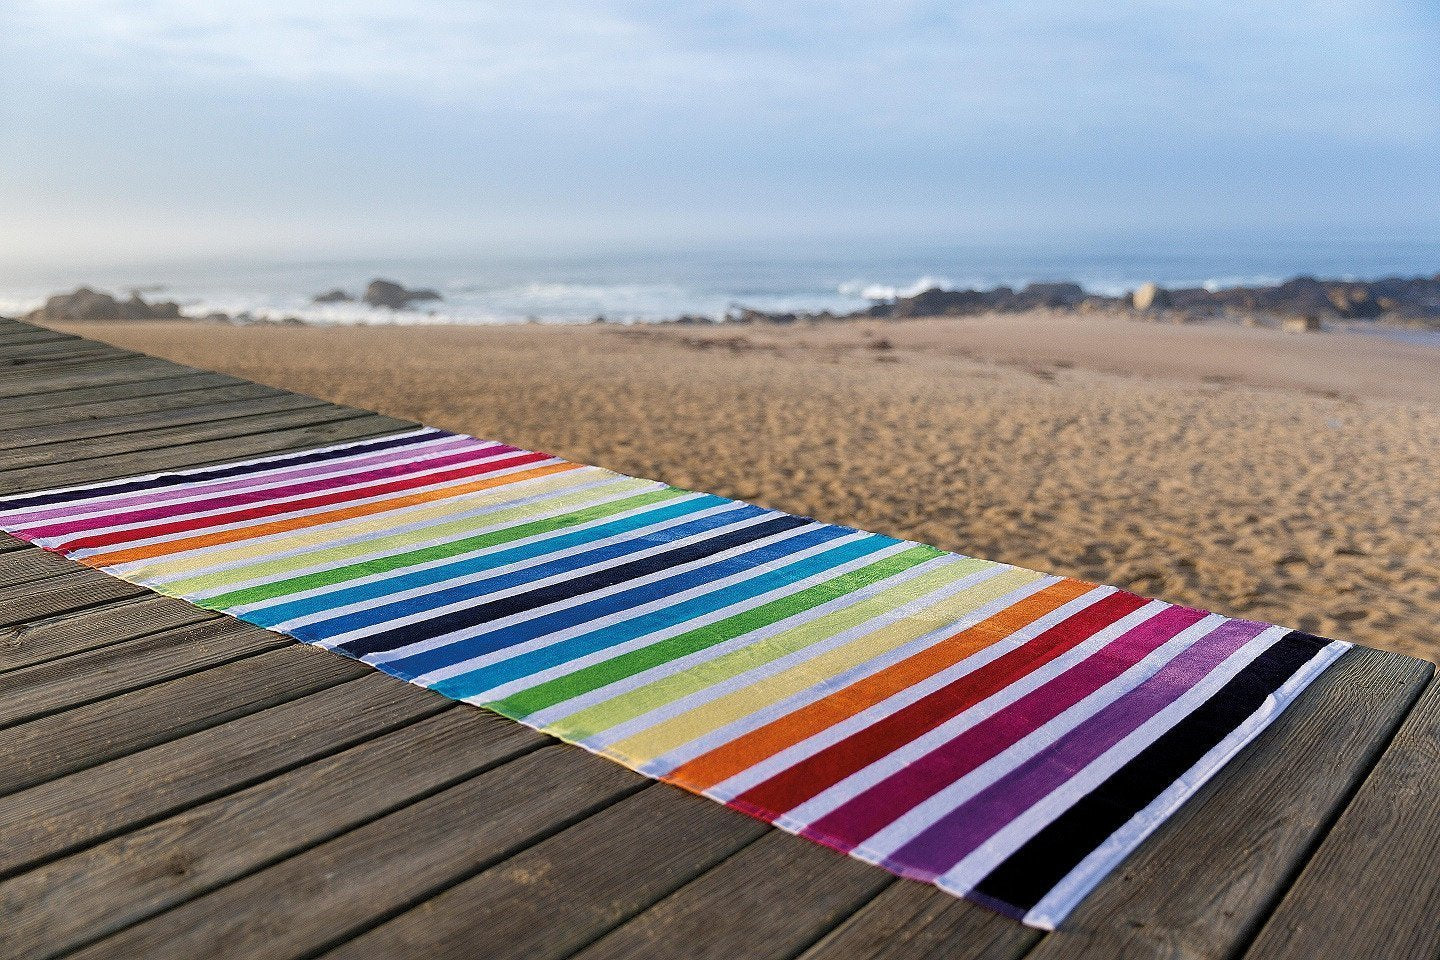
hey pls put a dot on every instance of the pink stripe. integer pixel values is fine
(961, 831)
(240, 483)
(869, 811)
(269, 494)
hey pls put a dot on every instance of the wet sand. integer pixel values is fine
(1292, 478)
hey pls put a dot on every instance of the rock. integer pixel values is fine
(387, 293)
(334, 296)
(1304, 323)
(1150, 296)
(88, 304)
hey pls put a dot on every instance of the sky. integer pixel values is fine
(334, 128)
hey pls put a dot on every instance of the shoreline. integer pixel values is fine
(1253, 472)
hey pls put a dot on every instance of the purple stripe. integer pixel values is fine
(269, 475)
(878, 806)
(961, 831)
(273, 494)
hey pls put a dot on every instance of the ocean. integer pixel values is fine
(637, 286)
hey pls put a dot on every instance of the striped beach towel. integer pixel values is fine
(1007, 735)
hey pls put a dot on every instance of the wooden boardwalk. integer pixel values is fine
(174, 783)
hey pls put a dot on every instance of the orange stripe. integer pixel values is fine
(744, 752)
(298, 523)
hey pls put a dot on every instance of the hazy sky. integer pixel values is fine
(148, 128)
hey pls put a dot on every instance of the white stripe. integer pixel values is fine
(866, 777)
(391, 548)
(971, 870)
(631, 613)
(467, 633)
(443, 513)
(927, 813)
(182, 535)
(738, 728)
(117, 527)
(100, 486)
(699, 698)
(270, 479)
(1067, 894)
(737, 784)
(509, 569)
(335, 531)
(585, 700)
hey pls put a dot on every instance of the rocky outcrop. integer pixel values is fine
(333, 296)
(88, 304)
(1413, 300)
(389, 294)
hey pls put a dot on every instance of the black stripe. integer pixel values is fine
(1033, 870)
(495, 609)
(219, 473)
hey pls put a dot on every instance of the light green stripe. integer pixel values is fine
(628, 706)
(627, 664)
(368, 547)
(336, 575)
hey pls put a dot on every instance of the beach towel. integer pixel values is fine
(1005, 734)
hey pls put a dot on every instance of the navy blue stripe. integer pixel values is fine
(475, 589)
(1046, 858)
(496, 609)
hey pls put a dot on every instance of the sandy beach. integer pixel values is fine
(1292, 478)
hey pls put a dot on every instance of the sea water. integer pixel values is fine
(644, 286)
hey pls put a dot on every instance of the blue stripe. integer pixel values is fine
(395, 610)
(281, 610)
(461, 650)
(487, 678)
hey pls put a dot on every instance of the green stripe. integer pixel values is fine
(627, 706)
(325, 578)
(628, 664)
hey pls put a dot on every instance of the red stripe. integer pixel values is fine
(268, 510)
(364, 475)
(888, 800)
(792, 787)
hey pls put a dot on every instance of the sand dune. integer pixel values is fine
(1290, 478)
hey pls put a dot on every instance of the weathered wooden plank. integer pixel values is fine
(53, 746)
(37, 355)
(32, 692)
(56, 400)
(19, 336)
(1202, 883)
(181, 456)
(226, 420)
(204, 391)
(43, 641)
(914, 921)
(27, 564)
(1373, 887)
(59, 816)
(95, 375)
(41, 370)
(39, 440)
(139, 874)
(564, 892)
(60, 594)
(776, 897)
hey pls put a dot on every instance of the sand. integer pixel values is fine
(1291, 478)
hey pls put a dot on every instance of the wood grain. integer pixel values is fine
(1373, 887)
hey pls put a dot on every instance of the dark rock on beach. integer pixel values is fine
(88, 304)
(388, 293)
(333, 296)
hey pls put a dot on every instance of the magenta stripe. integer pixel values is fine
(249, 480)
(952, 838)
(273, 494)
(871, 810)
